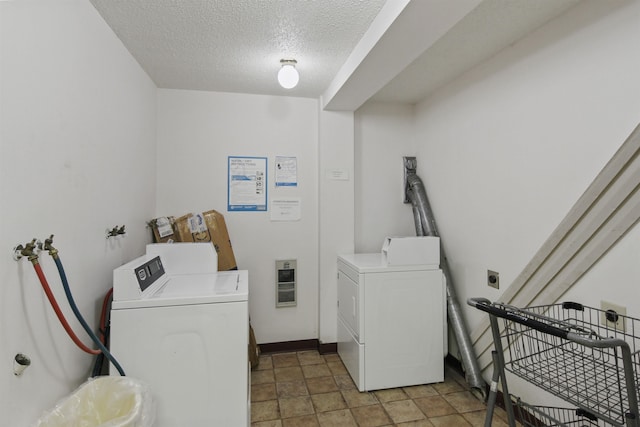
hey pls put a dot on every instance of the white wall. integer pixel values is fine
(77, 156)
(515, 142)
(384, 134)
(507, 149)
(336, 232)
(197, 131)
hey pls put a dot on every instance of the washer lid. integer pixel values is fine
(191, 289)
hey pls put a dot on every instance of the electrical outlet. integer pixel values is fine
(493, 279)
(611, 316)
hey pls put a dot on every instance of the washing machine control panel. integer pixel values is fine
(149, 272)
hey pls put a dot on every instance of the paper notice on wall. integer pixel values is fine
(247, 184)
(337, 174)
(285, 209)
(286, 171)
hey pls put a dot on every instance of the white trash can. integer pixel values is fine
(104, 402)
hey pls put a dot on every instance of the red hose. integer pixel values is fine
(56, 308)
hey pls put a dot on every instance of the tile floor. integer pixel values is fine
(306, 388)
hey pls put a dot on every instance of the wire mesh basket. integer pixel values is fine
(566, 350)
(548, 416)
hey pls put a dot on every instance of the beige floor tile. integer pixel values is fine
(295, 406)
(464, 401)
(304, 421)
(499, 413)
(420, 391)
(292, 389)
(402, 411)
(477, 418)
(305, 388)
(321, 385)
(326, 402)
(262, 377)
(448, 386)
(291, 373)
(262, 392)
(332, 357)
(337, 368)
(371, 416)
(455, 420)
(264, 362)
(434, 406)
(273, 423)
(310, 358)
(418, 423)
(314, 371)
(354, 398)
(390, 395)
(265, 411)
(341, 418)
(345, 382)
(284, 360)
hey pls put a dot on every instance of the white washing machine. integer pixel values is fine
(182, 327)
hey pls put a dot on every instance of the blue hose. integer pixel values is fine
(74, 307)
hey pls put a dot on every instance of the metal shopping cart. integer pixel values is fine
(547, 416)
(564, 349)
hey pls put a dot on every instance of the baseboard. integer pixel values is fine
(299, 345)
(326, 348)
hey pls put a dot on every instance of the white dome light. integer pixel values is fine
(288, 75)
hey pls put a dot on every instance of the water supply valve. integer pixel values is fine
(30, 250)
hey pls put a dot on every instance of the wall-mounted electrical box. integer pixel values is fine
(493, 279)
(286, 292)
(613, 316)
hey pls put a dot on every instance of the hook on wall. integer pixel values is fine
(116, 231)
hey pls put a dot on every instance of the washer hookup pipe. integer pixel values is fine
(54, 304)
(65, 284)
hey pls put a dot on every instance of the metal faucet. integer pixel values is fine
(48, 246)
(28, 251)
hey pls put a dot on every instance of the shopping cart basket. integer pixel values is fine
(548, 416)
(565, 350)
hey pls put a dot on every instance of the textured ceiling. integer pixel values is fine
(348, 51)
(237, 45)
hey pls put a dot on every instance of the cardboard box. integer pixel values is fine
(207, 227)
(220, 238)
(162, 228)
(191, 228)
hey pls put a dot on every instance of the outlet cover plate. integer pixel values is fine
(612, 321)
(493, 279)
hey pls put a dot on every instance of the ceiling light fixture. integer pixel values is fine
(288, 75)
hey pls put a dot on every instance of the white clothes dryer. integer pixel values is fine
(183, 328)
(391, 324)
